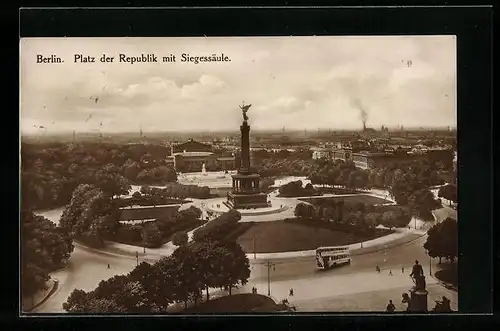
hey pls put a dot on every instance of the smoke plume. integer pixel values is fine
(362, 112)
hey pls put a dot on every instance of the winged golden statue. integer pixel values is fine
(244, 108)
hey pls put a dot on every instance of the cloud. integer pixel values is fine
(292, 81)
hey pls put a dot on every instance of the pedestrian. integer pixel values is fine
(144, 250)
(390, 272)
(377, 268)
(402, 270)
(390, 307)
(291, 292)
(109, 266)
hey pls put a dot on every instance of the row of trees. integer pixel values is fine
(44, 248)
(154, 233)
(357, 216)
(50, 172)
(182, 277)
(174, 190)
(92, 215)
(339, 173)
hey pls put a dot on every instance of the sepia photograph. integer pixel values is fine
(238, 175)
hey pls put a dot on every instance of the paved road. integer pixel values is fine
(389, 259)
(354, 287)
(84, 271)
(300, 274)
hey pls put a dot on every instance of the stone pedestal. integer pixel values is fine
(418, 299)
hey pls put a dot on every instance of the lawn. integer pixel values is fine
(445, 212)
(363, 198)
(237, 303)
(448, 275)
(296, 235)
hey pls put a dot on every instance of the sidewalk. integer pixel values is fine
(29, 304)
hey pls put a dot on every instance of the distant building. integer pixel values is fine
(369, 160)
(191, 155)
(322, 153)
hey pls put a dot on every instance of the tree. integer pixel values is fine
(186, 275)
(371, 221)
(210, 257)
(44, 248)
(91, 214)
(137, 195)
(442, 240)
(235, 266)
(77, 302)
(180, 238)
(304, 210)
(387, 219)
(151, 235)
(423, 202)
(448, 192)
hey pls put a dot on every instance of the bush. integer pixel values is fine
(218, 228)
(151, 235)
(180, 238)
(128, 234)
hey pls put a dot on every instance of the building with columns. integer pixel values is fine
(191, 155)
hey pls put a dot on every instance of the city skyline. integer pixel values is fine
(300, 83)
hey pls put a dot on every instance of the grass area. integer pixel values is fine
(237, 303)
(220, 192)
(449, 274)
(445, 212)
(296, 235)
(363, 198)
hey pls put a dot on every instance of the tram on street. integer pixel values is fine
(333, 256)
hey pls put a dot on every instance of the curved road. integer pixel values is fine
(314, 289)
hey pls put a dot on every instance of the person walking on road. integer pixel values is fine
(390, 307)
(109, 266)
(291, 292)
(377, 268)
(402, 270)
(390, 272)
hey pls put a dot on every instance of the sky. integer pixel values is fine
(317, 82)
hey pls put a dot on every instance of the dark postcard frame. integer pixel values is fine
(473, 27)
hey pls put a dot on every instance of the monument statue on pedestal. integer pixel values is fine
(417, 300)
(246, 191)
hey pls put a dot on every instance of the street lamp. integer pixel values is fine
(430, 260)
(269, 265)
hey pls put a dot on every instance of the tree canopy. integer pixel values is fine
(44, 248)
(180, 277)
(442, 240)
